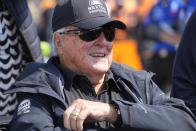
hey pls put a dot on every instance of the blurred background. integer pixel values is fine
(150, 42)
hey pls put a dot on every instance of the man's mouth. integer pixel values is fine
(98, 54)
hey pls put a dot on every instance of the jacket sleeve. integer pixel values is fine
(162, 114)
(33, 113)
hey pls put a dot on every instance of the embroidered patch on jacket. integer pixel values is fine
(24, 107)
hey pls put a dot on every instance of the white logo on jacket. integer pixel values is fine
(24, 107)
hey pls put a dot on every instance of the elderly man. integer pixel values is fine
(81, 89)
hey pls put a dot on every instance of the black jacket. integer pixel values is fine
(43, 103)
(184, 74)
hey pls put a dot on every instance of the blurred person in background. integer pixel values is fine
(144, 7)
(184, 71)
(19, 44)
(42, 12)
(125, 48)
(162, 35)
(44, 22)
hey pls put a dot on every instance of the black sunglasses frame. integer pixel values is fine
(93, 34)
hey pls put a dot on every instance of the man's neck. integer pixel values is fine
(97, 83)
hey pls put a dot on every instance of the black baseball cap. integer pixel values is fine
(85, 14)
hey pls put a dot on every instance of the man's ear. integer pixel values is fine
(57, 43)
(57, 40)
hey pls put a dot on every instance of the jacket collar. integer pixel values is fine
(69, 75)
(123, 71)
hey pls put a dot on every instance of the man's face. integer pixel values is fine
(88, 58)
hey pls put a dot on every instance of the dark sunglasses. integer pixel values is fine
(93, 34)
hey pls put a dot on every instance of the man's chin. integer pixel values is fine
(100, 68)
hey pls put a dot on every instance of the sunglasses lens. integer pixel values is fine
(109, 34)
(90, 35)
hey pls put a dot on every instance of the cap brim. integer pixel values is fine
(95, 22)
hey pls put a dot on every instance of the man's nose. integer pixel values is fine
(102, 40)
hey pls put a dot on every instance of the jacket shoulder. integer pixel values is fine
(40, 78)
(31, 68)
(127, 72)
(139, 79)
